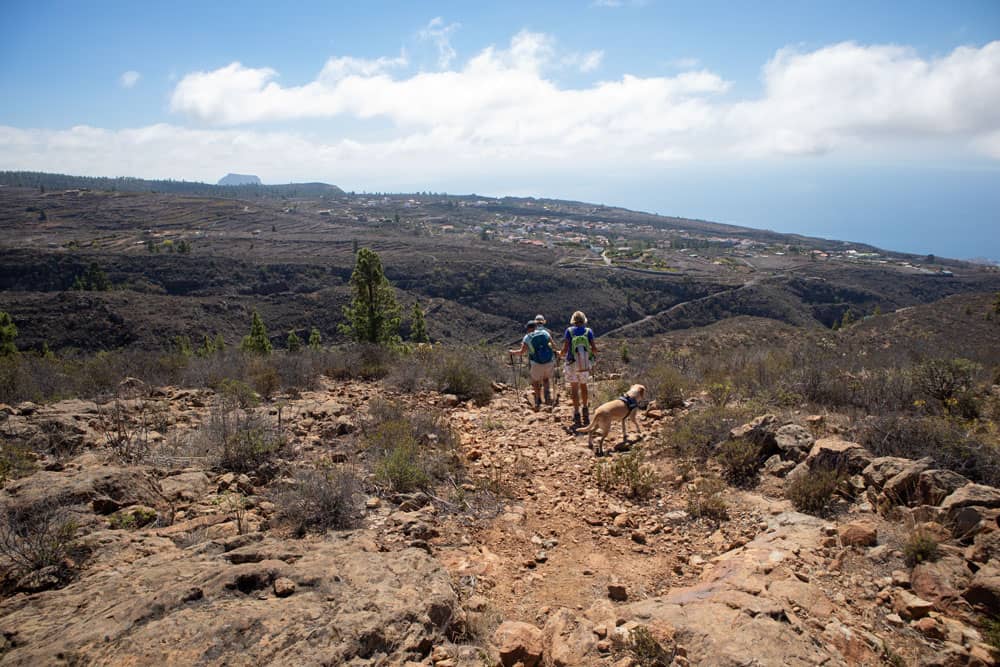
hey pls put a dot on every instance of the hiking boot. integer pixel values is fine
(548, 398)
(538, 402)
(576, 420)
(586, 416)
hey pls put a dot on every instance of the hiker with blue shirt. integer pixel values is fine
(537, 342)
(580, 352)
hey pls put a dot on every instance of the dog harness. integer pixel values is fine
(629, 402)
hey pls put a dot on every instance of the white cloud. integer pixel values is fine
(129, 79)
(501, 110)
(440, 34)
(585, 62)
(848, 93)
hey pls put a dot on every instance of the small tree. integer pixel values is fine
(220, 343)
(257, 341)
(8, 332)
(294, 343)
(314, 339)
(418, 325)
(373, 316)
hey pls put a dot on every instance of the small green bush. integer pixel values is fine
(812, 492)
(463, 376)
(16, 460)
(645, 650)
(401, 470)
(695, 434)
(705, 501)
(627, 475)
(920, 547)
(412, 450)
(740, 461)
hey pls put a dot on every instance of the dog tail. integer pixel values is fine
(585, 429)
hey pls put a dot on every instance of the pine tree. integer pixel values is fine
(257, 341)
(373, 316)
(294, 343)
(314, 339)
(418, 325)
(8, 332)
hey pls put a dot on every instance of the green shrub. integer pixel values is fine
(16, 460)
(627, 475)
(665, 384)
(463, 376)
(705, 501)
(320, 500)
(812, 492)
(920, 547)
(412, 450)
(941, 379)
(402, 469)
(695, 434)
(645, 650)
(740, 460)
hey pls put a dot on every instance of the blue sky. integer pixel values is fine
(868, 121)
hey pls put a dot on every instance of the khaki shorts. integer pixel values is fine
(573, 376)
(542, 372)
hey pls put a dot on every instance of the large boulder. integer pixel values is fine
(793, 441)
(154, 603)
(972, 494)
(901, 488)
(188, 486)
(883, 468)
(933, 486)
(984, 590)
(106, 489)
(837, 454)
(569, 639)
(941, 582)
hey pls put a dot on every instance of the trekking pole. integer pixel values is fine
(514, 372)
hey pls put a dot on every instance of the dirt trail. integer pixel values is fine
(561, 540)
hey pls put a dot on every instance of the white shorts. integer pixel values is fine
(542, 372)
(573, 376)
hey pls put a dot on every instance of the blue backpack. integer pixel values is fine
(539, 349)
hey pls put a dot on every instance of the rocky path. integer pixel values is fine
(525, 559)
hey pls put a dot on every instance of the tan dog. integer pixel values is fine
(620, 409)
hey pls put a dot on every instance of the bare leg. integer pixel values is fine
(574, 389)
(583, 395)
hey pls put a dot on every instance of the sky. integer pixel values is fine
(871, 121)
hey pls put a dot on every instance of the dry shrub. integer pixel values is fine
(320, 500)
(944, 440)
(242, 437)
(664, 383)
(36, 538)
(811, 493)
